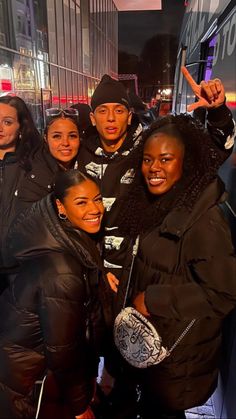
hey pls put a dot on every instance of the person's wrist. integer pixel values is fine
(219, 116)
(217, 105)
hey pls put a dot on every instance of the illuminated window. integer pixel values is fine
(210, 49)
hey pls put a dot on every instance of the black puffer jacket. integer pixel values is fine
(19, 188)
(45, 311)
(11, 175)
(39, 180)
(115, 173)
(187, 268)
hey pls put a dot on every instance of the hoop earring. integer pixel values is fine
(62, 216)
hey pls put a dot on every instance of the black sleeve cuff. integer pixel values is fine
(220, 116)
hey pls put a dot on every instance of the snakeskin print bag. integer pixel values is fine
(136, 338)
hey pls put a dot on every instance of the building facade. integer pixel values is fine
(54, 52)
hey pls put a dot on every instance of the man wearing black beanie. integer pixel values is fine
(109, 154)
(111, 113)
(108, 91)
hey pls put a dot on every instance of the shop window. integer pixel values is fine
(21, 25)
(29, 28)
(85, 35)
(67, 27)
(60, 33)
(2, 39)
(52, 39)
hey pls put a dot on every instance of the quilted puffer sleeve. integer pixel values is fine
(62, 311)
(205, 286)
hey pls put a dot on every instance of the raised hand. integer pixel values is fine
(210, 94)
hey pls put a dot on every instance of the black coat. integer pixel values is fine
(11, 175)
(38, 181)
(19, 188)
(45, 311)
(187, 269)
(115, 173)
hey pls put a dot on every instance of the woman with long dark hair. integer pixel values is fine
(53, 322)
(58, 152)
(42, 161)
(24, 137)
(19, 139)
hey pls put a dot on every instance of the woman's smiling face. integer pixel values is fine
(63, 140)
(162, 162)
(83, 206)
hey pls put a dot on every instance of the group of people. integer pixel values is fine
(72, 205)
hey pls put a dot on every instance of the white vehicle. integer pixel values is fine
(207, 49)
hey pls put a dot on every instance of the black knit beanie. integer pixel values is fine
(109, 91)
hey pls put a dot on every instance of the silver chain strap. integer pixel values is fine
(40, 395)
(230, 208)
(134, 253)
(181, 336)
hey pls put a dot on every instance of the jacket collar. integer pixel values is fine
(177, 222)
(9, 157)
(75, 244)
(38, 230)
(133, 138)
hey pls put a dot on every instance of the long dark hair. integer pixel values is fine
(140, 210)
(66, 179)
(29, 139)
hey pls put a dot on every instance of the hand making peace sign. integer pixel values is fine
(210, 94)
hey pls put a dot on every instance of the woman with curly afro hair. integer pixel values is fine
(185, 266)
(144, 207)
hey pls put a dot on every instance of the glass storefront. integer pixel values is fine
(54, 52)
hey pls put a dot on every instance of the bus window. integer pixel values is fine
(209, 57)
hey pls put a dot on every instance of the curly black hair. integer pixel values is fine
(140, 210)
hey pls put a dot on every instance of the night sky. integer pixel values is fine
(135, 28)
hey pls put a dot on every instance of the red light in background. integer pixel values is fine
(70, 99)
(231, 104)
(5, 85)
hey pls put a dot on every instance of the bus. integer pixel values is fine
(207, 48)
